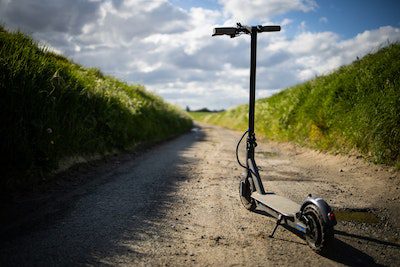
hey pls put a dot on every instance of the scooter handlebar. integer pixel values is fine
(233, 32)
(269, 28)
(225, 30)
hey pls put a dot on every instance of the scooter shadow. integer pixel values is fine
(346, 254)
(343, 252)
(340, 251)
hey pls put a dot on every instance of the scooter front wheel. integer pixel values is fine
(318, 234)
(245, 189)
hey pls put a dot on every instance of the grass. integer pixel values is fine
(356, 108)
(198, 115)
(52, 108)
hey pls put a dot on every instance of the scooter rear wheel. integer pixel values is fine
(245, 197)
(318, 234)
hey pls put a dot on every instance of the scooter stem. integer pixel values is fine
(251, 139)
(253, 56)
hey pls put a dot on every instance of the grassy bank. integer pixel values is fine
(355, 108)
(52, 108)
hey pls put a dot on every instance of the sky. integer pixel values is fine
(166, 45)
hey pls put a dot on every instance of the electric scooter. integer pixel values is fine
(314, 218)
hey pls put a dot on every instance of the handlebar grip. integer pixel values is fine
(269, 28)
(224, 30)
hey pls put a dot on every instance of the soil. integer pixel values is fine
(178, 204)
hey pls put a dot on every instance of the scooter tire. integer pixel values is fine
(319, 236)
(246, 199)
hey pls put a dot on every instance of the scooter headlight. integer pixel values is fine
(331, 216)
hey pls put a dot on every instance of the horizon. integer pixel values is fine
(175, 56)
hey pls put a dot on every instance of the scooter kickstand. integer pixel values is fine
(278, 222)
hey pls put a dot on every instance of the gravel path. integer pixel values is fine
(177, 205)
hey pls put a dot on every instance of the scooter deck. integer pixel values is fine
(280, 204)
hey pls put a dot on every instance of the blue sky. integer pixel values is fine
(351, 17)
(346, 17)
(167, 45)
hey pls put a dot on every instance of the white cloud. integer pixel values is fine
(323, 19)
(302, 26)
(286, 22)
(248, 10)
(48, 15)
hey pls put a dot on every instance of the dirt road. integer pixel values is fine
(177, 205)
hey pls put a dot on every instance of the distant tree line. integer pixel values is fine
(203, 110)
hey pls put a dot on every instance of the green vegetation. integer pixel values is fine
(355, 108)
(52, 108)
(199, 115)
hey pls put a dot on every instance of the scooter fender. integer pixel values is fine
(323, 207)
(243, 188)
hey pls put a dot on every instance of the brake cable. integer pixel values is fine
(237, 149)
